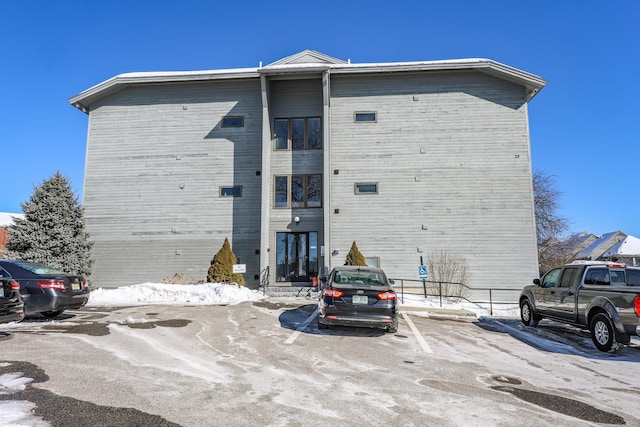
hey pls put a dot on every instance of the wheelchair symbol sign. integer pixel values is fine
(422, 271)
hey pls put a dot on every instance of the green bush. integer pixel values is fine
(354, 257)
(221, 269)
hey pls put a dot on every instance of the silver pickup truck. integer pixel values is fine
(596, 295)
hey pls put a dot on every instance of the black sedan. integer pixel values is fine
(11, 306)
(46, 290)
(358, 296)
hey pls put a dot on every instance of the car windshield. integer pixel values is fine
(39, 269)
(359, 278)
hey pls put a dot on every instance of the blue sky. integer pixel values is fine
(584, 125)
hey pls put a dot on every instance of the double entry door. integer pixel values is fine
(296, 256)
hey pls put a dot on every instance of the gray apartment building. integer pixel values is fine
(295, 160)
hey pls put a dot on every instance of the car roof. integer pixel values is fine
(358, 268)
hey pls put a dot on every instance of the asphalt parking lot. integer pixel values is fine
(267, 363)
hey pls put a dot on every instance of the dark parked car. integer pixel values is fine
(358, 296)
(46, 290)
(11, 306)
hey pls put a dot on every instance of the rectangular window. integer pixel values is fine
(314, 191)
(314, 134)
(365, 116)
(372, 261)
(282, 134)
(298, 134)
(298, 191)
(233, 121)
(366, 188)
(282, 192)
(235, 191)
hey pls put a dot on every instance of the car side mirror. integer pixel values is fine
(536, 282)
(392, 281)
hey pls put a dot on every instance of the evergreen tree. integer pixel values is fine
(354, 257)
(221, 269)
(52, 231)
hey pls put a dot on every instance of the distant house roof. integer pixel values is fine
(309, 61)
(629, 246)
(601, 245)
(6, 218)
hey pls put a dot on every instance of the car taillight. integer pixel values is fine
(636, 305)
(333, 293)
(15, 286)
(52, 284)
(85, 284)
(387, 296)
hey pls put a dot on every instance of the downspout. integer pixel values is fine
(326, 172)
(266, 176)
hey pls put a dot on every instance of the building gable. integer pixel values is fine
(308, 56)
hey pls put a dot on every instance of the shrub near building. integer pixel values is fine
(221, 269)
(355, 257)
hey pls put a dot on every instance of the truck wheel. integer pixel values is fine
(603, 334)
(527, 315)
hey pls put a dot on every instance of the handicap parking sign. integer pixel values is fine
(422, 271)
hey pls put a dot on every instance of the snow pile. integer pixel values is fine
(221, 294)
(159, 293)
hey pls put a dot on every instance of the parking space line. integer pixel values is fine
(303, 326)
(418, 335)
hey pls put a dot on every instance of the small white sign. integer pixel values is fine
(239, 268)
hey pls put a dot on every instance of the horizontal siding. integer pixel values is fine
(156, 158)
(451, 154)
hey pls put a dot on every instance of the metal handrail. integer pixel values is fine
(440, 294)
(264, 279)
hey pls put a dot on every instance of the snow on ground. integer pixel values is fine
(19, 413)
(221, 294)
(159, 293)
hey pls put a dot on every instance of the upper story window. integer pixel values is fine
(235, 191)
(366, 188)
(298, 134)
(233, 122)
(365, 116)
(298, 191)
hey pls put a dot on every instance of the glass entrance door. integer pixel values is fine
(296, 256)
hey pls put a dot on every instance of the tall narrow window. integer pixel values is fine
(297, 134)
(282, 192)
(297, 191)
(314, 191)
(314, 134)
(282, 134)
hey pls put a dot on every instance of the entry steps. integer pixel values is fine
(290, 291)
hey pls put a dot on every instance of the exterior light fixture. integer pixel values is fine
(296, 220)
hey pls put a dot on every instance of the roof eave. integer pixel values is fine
(83, 100)
(531, 82)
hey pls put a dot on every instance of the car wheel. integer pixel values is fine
(52, 314)
(603, 334)
(526, 313)
(322, 325)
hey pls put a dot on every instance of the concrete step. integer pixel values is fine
(289, 291)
